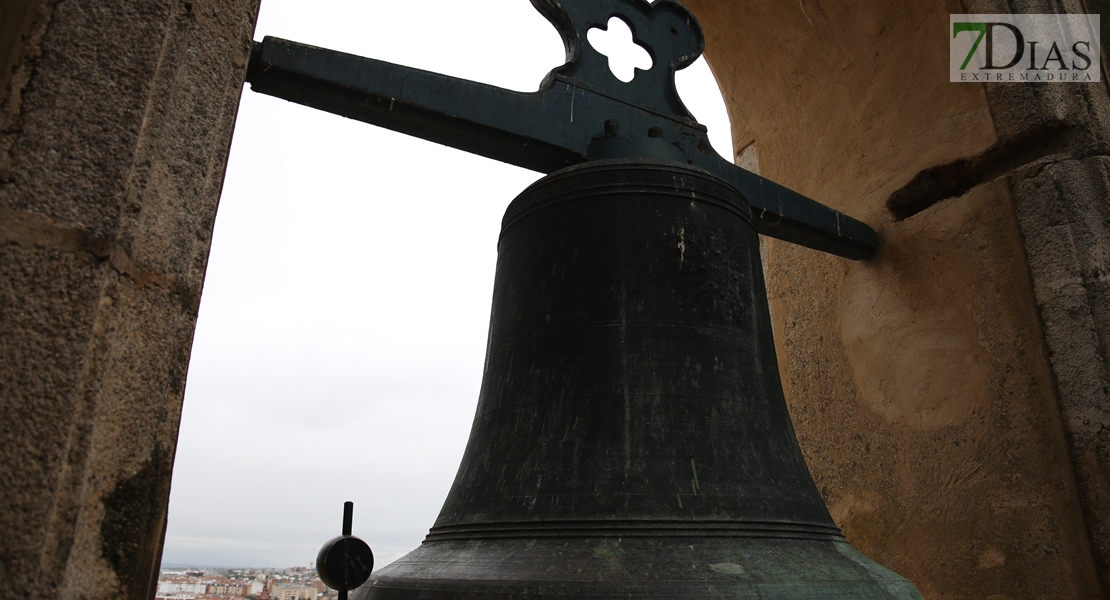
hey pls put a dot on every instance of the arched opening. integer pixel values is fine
(892, 359)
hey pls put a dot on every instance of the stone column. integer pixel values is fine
(1059, 179)
(115, 122)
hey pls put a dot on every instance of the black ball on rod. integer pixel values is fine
(345, 561)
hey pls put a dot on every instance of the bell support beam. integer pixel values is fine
(567, 122)
(481, 119)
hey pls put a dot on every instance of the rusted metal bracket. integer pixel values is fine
(580, 113)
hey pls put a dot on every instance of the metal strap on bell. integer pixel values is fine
(631, 438)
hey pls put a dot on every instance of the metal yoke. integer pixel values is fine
(580, 113)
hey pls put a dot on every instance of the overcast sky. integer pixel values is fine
(342, 330)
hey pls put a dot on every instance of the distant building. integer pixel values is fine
(229, 589)
(177, 588)
(298, 592)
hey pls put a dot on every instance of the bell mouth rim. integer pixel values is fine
(613, 567)
(725, 195)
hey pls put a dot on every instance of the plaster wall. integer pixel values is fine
(115, 121)
(925, 389)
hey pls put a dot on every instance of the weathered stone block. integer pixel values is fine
(116, 124)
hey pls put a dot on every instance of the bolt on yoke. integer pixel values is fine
(580, 113)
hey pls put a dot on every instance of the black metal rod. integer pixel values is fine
(348, 516)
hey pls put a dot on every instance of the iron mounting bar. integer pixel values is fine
(580, 113)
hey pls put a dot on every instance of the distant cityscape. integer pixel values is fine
(296, 583)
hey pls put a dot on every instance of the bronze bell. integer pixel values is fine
(631, 438)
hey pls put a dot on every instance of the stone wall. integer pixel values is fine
(950, 394)
(115, 121)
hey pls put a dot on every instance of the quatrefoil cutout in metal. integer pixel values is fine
(671, 36)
